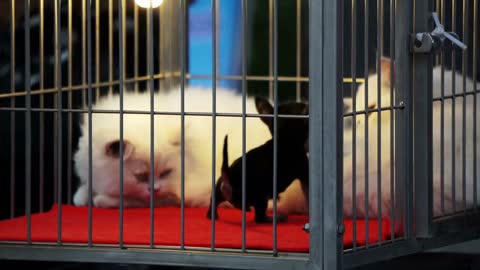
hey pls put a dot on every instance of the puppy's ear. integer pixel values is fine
(264, 107)
(112, 149)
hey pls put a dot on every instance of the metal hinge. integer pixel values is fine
(434, 42)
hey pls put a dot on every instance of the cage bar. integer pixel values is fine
(12, 113)
(298, 50)
(42, 104)
(135, 45)
(97, 48)
(275, 125)
(70, 116)
(453, 142)
(353, 49)
(87, 6)
(120, 89)
(380, 11)
(325, 112)
(464, 109)
(152, 118)
(474, 68)
(214, 113)
(442, 120)
(403, 69)
(392, 112)
(28, 124)
(366, 188)
(422, 135)
(244, 125)
(183, 64)
(110, 46)
(59, 115)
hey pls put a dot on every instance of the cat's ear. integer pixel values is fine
(386, 69)
(264, 107)
(112, 149)
(347, 104)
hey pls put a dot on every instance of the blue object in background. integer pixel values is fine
(200, 42)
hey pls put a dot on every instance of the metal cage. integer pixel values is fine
(382, 87)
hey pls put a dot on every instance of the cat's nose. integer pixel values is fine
(156, 189)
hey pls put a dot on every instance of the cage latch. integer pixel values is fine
(434, 42)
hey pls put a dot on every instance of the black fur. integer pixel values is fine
(292, 162)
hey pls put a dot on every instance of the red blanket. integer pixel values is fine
(291, 237)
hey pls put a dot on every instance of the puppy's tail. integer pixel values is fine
(225, 160)
(225, 185)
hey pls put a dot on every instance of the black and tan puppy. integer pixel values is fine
(292, 162)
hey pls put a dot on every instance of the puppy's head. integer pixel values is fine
(293, 129)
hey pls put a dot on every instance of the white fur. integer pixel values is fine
(385, 164)
(293, 200)
(167, 150)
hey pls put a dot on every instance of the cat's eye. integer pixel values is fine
(165, 173)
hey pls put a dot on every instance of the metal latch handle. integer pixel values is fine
(434, 41)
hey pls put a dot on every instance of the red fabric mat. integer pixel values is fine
(136, 223)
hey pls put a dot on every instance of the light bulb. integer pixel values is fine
(147, 3)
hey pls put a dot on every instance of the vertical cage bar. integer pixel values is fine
(87, 6)
(244, 125)
(97, 49)
(326, 134)
(380, 11)
(70, 114)
(110, 46)
(270, 48)
(275, 121)
(135, 46)
(475, 70)
(214, 112)
(403, 128)
(58, 72)
(42, 105)
(453, 142)
(84, 51)
(353, 49)
(366, 191)
(152, 115)
(422, 126)
(161, 47)
(392, 112)
(464, 110)
(120, 88)
(28, 124)
(123, 35)
(442, 120)
(183, 59)
(12, 113)
(298, 55)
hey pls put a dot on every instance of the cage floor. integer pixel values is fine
(136, 226)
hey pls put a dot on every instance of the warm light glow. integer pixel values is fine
(146, 3)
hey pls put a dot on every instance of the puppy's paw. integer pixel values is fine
(209, 214)
(267, 219)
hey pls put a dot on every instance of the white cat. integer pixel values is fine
(385, 164)
(293, 200)
(167, 147)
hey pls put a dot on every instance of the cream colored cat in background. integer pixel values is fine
(293, 200)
